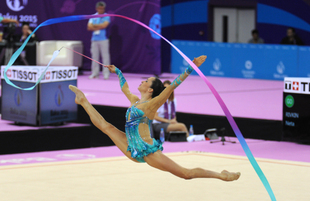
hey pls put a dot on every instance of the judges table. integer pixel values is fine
(51, 101)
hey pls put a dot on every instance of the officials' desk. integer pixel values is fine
(296, 109)
(51, 101)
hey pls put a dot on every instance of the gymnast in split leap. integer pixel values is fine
(136, 143)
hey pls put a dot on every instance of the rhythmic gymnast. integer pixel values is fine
(136, 143)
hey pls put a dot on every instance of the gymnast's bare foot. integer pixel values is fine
(229, 176)
(198, 61)
(79, 96)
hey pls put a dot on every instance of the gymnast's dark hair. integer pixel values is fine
(157, 87)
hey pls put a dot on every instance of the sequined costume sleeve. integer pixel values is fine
(120, 76)
(181, 77)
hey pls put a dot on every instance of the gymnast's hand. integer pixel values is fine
(111, 68)
(198, 61)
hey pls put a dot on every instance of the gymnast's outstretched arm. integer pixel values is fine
(156, 102)
(123, 83)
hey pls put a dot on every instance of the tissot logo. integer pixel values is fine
(48, 75)
(16, 5)
(305, 86)
(295, 86)
(292, 85)
(32, 74)
(9, 73)
(24, 75)
(288, 85)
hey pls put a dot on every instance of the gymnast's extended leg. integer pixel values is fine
(160, 161)
(117, 136)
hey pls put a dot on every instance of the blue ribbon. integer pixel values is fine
(215, 93)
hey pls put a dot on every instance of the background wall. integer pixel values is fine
(190, 20)
(133, 48)
(253, 61)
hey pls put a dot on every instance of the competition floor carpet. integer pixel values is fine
(104, 174)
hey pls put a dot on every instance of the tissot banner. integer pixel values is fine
(32, 73)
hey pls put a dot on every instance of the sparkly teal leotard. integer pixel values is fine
(134, 117)
(136, 145)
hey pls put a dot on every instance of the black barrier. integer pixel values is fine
(296, 110)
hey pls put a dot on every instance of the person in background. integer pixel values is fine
(25, 33)
(22, 59)
(99, 41)
(291, 38)
(255, 37)
(165, 116)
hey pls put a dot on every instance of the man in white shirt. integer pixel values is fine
(99, 41)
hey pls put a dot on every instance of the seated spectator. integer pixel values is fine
(255, 37)
(166, 116)
(22, 59)
(291, 38)
(25, 33)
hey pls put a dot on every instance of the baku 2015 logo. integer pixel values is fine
(18, 97)
(16, 5)
(280, 68)
(155, 24)
(59, 96)
(217, 64)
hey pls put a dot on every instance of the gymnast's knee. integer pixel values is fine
(187, 174)
(106, 127)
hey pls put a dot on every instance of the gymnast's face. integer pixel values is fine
(146, 84)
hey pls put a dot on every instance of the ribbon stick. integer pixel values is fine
(215, 93)
(84, 56)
